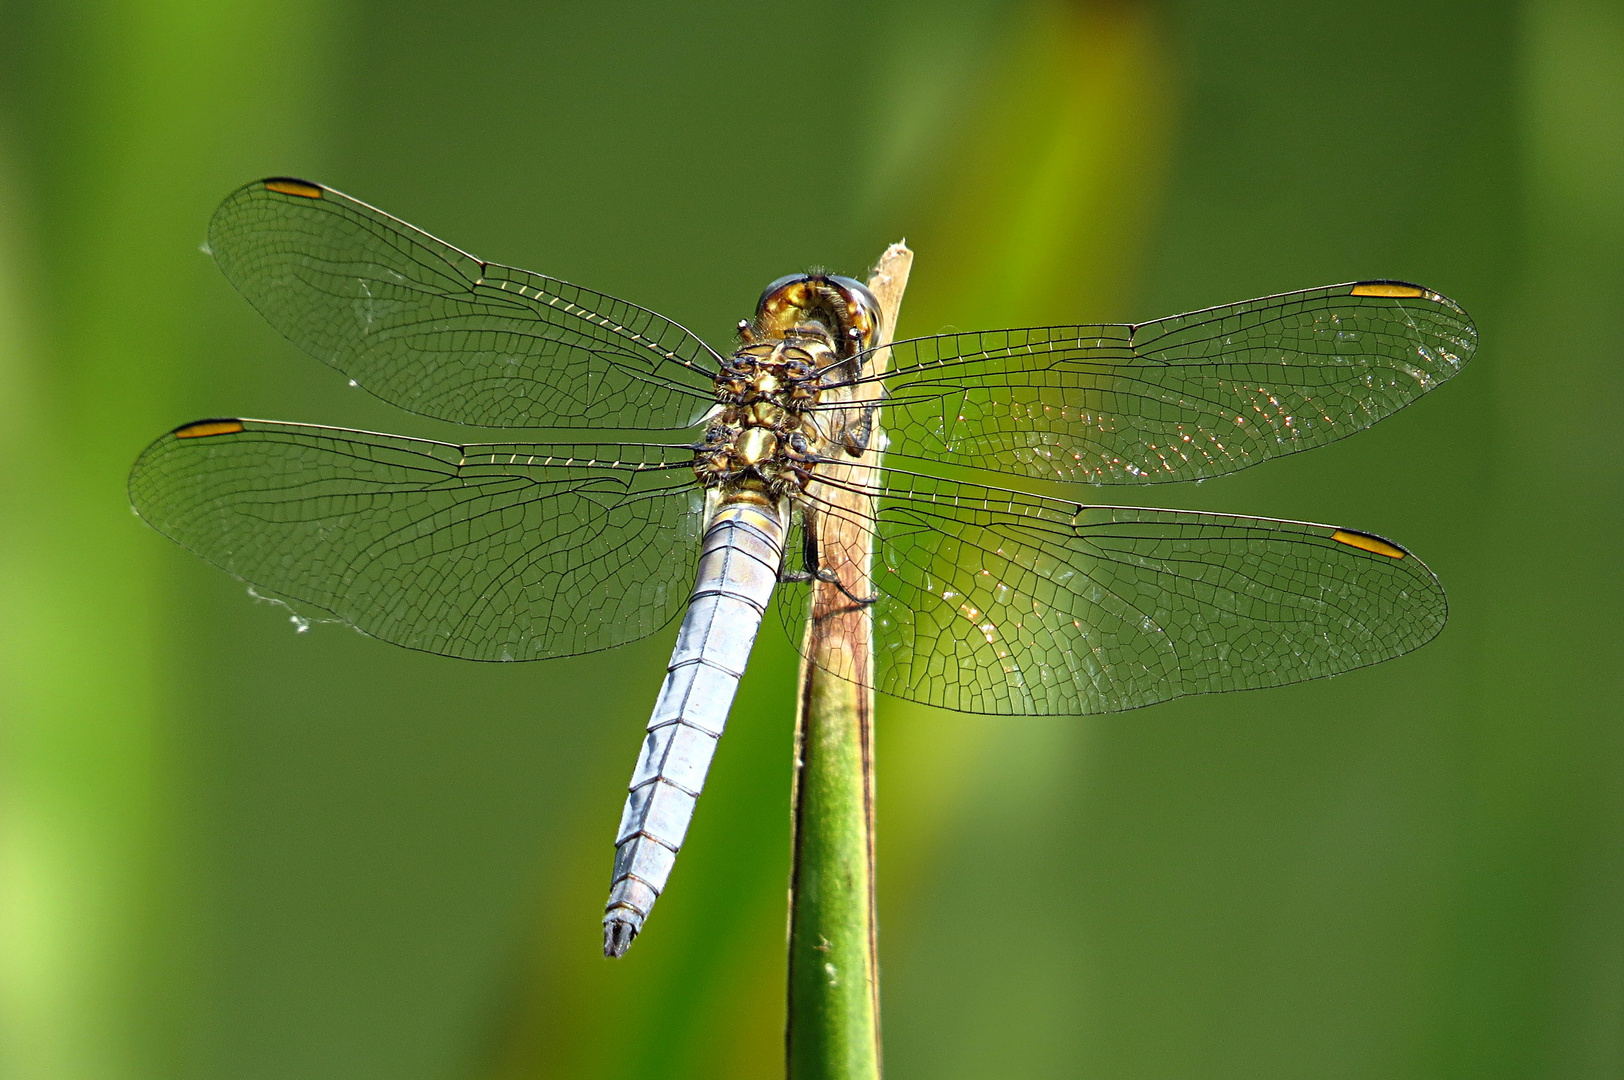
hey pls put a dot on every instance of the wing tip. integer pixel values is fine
(202, 429)
(1369, 542)
(292, 185)
(1392, 288)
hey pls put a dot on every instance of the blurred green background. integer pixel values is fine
(228, 849)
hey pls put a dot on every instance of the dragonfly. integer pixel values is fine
(691, 480)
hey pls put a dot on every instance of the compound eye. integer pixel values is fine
(865, 309)
(780, 284)
(858, 290)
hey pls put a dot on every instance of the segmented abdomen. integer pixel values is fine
(738, 567)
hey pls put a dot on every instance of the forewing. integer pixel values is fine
(436, 331)
(1181, 398)
(999, 602)
(486, 552)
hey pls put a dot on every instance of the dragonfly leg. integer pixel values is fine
(859, 432)
(834, 579)
(812, 568)
(809, 551)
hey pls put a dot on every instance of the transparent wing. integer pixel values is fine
(994, 601)
(436, 331)
(486, 552)
(1181, 398)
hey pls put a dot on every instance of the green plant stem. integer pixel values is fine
(834, 988)
(833, 1030)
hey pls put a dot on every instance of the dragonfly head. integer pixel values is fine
(841, 307)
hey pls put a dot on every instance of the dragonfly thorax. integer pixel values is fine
(762, 438)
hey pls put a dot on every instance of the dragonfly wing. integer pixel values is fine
(436, 331)
(486, 552)
(1000, 602)
(1180, 398)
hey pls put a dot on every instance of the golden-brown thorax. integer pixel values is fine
(767, 435)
